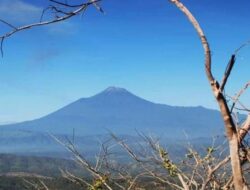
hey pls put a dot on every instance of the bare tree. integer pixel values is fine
(234, 139)
(153, 167)
(235, 133)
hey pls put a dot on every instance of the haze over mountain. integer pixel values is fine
(122, 112)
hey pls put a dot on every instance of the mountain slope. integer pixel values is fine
(120, 111)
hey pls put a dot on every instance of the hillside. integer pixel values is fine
(122, 112)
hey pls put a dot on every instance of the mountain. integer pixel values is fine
(118, 110)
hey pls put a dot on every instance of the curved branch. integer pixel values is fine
(67, 16)
(229, 124)
(8, 24)
(242, 46)
(202, 36)
(1, 45)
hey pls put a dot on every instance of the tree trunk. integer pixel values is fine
(230, 127)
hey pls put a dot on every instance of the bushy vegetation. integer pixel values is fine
(33, 164)
(17, 183)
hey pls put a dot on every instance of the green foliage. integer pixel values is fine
(98, 184)
(167, 163)
(209, 156)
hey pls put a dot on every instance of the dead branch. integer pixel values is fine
(74, 179)
(237, 97)
(83, 162)
(230, 127)
(227, 72)
(212, 171)
(40, 185)
(126, 147)
(65, 16)
(245, 128)
(241, 47)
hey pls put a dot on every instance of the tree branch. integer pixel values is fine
(227, 72)
(230, 127)
(66, 15)
(237, 97)
(245, 128)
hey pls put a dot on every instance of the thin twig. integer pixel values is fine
(66, 16)
(242, 46)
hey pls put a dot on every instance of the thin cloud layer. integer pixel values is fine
(19, 12)
(40, 58)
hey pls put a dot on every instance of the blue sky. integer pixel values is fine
(147, 47)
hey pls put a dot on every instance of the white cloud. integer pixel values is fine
(19, 12)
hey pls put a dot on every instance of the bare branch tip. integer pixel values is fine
(247, 43)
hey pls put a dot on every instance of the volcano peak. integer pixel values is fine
(114, 89)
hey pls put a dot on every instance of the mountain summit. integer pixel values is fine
(116, 96)
(122, 112)
(114, 89)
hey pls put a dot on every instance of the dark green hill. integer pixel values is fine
(35, 165)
